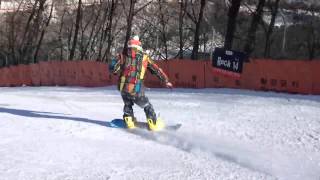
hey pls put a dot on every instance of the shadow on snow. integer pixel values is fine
(50, 115)
(165, 138)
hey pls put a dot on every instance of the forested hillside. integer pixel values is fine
(41, 30)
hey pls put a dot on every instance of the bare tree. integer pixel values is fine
(23, 42)
(130, 16)
(256, 19)
(181, 22)
(273, 6)
(313, 42)
(76, 32)
(232, 19)
(60, 35)
(29, 33)
(108, 29)
(163, 23)
(35, 60)
(93, 13)
(129, 25)
(33, 31)
(197, 20)
(12, 36)
(284, 39)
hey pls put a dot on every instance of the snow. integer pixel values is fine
(65, 133)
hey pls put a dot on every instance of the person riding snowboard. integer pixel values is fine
(132, 66)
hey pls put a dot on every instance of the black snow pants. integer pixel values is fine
(142, 101)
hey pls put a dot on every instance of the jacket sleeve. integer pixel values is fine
(156, 70)
(117, 64)
(116, 68)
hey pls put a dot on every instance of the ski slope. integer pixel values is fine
(57, 133)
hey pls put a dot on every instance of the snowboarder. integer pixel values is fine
(132, 66)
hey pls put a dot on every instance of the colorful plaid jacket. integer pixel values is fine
(132, 70)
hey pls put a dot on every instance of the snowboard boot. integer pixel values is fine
(130, 122)
(157, 125)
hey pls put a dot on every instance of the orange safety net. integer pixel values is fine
(259, 74)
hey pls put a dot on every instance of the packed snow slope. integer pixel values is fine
(62, 133)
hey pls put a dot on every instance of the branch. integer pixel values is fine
(193, 18)
(141, 8)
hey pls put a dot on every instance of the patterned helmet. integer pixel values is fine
(135, 43)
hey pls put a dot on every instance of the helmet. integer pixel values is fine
(135, 43)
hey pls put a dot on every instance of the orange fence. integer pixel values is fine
(187, 74)
(263, 74)
(282, 76)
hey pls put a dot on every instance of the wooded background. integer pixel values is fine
(70, 30)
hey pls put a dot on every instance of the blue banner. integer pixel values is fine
(228, 62)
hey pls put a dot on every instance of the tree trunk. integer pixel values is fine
(35, 58)
(32, 36)
(36, 30)
(27, 37)
(103, 33)
(181, 16)
(284, 39)
(195, 49)
(109, 29)
(311, 44)
(12, 41)
(163, 23)
(85, 48)
(129, 25)
(231, 27)
(251, 37)
(76, 31)
(60, 35)
(274, 11)
(26, 30)
(12, 38)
